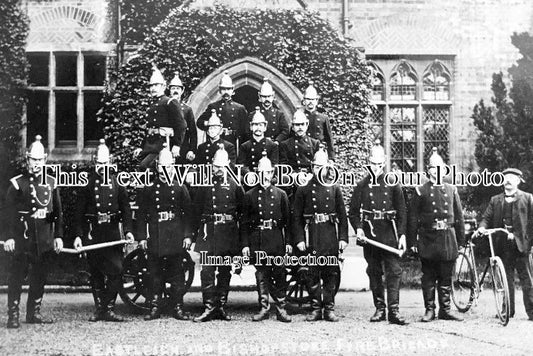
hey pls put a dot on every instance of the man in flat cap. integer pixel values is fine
(513, 210)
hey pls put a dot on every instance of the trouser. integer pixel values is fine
(271, 280)
(163, 269)
(515, 260)
(215, 295)
(322, 295)
(36, 268)
(105, 267)
(437, 274)
(379, 260)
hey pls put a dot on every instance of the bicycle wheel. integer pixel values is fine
(501, 290)
(463, 283)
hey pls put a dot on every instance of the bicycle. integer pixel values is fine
(466, 284)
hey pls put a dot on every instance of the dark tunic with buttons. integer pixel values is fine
(298, 152)
(165, 238)
(97, 198)
(34, 218)
(429, 204)
(277, 124)
(265, 204)
(190, 140)
(252, 151)
(320, 129)
(218, 239)
(381, 197)
(207, 150)
(233, 116)
(315, 198)
(166, 112)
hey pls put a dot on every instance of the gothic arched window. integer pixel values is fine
(437, 82)
(403, 82)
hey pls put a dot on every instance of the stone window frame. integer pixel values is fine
(420, 67)
(81, 149)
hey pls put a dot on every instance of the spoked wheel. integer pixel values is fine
(135, 281)
(463, 283)
(501, 290)
(297, 286)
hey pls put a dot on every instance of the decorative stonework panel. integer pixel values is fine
(406, 34)
(65, 24)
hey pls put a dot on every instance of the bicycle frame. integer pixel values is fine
(498, 275)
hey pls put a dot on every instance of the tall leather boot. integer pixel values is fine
(445, 312)
(393, 296)
(208, 295)
(33, 312)
(36, 280)
(378, 295)
(14, 291)
(176, 298)
(262, 290)
(113, 285)
(330, 282)
(314, 290)
(99, 308)
(224, 277)
(278, 291)
(13, 310)
(428, 291)
(155, 308)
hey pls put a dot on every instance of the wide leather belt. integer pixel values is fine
(267, 224)
(162, 131)
(439, 225)
(166, 215)
(378, 214)
(320, 218)
(104, 218)
(218, 218)
(40, 214)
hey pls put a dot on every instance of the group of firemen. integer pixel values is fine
(232, 219)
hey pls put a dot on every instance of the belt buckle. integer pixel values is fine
(219, 218)
(320, 218)
(266, 224)
(378, 215)
(103, 218)
(441, 225)
(166, 131)
(163, 216)
(40, 213)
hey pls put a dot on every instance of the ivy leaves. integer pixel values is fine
(300, 44)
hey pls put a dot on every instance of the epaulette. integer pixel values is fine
(14, 181)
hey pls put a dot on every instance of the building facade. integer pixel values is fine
(432, 61)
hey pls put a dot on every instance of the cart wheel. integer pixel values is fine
(297, 287)
(134, 290)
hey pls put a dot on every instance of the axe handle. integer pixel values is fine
(95, 246)
(384, 247)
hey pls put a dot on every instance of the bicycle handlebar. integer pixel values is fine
(491, 231)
